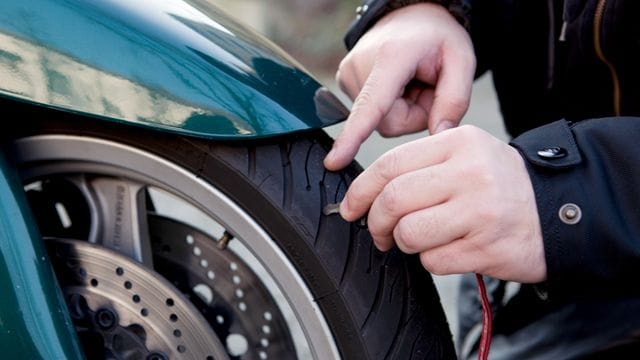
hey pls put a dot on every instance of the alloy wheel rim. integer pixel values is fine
(48, 155)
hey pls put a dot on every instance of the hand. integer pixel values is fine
(462, 199)
(411, 71)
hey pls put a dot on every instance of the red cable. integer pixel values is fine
(485, 338)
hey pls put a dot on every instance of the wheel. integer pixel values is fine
(261, 268)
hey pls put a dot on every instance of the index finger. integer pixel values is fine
(418, 154)
(382, 88)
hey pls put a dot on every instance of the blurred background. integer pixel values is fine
(311, 31)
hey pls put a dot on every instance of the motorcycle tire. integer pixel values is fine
(377, 305)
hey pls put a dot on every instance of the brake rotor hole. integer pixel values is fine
(177, 333)
(266, 329)
(144, 312)
(220, 319)
(242, 306)
(189, 239)
(233, 266)
(239, 293)
(94, 282)
(268, 316)
(262, 355)
(128, 285)
(135, 298)
(204, 292)
(119, 271)
(204, 263)
(82, 272)
(211, 275)
(236, 279)
(169, 302)
(181, 348)
(196, 251)
(237, 345)
(264, 342)
(173, 317)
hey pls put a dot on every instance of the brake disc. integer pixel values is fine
(201, 301)
(229, 294)
(131, 311)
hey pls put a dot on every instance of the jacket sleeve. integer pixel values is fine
(476, 16)
(372, 10)
(586, 178)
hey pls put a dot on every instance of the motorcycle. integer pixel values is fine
(161, 196)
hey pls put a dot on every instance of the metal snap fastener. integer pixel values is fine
(570, 214)
(552, 153)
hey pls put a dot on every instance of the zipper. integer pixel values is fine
(551, 45)
(597, 38)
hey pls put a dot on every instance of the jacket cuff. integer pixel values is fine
(372, 10)
(552, 158)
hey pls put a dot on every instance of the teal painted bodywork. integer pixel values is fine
(34, 322)
(181, 66)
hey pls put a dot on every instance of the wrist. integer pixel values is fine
(373, 10)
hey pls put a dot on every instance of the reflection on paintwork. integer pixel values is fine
(180, 65)
(90, 89)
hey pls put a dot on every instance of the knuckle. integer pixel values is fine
(389, 164)
(388, 199)
(488, 215)
(357, 194)
(431, 263)
(406, 238)
(467, 133)
(386, 132)
(478, 172)
(341, 80)
(364, 102)
(436, 263)
(388, 129)
(387, 49)
(377, 234)
(344, 63)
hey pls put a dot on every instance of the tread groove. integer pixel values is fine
(340, 184)
(350, 251)
(287, 177)
(323, 219)
(405, 307)
(377, 302)
(306, 166)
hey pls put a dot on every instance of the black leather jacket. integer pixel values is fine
(567, 75)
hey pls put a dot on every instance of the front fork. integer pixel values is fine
(34, 320)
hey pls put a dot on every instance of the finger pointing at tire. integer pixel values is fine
(414, 60)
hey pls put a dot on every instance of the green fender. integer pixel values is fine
(34, 322)
(181, 66)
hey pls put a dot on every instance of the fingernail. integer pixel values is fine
(444, 125)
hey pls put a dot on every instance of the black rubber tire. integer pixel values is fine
(378, 305)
